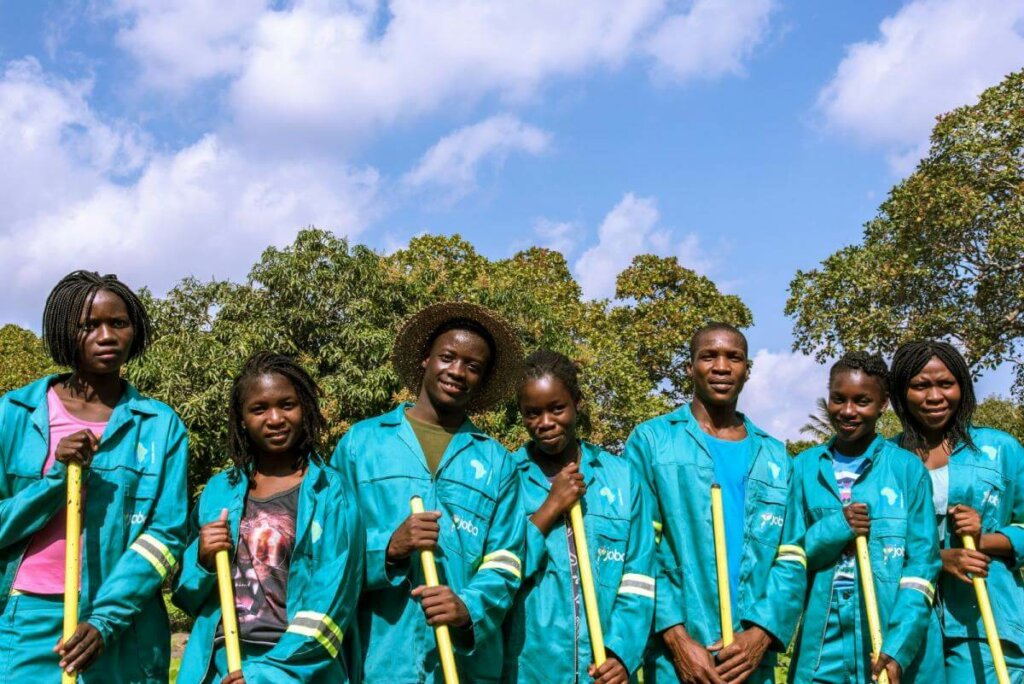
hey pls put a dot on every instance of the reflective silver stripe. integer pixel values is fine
(641, 585)
(319, 627)
(154, 551)
(792, 554)
(919, 584)
(502, 560)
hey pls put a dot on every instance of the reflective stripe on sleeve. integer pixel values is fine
(641, 585)
(154, 551)
(919, 584)
(319, 627)
(502, 560)
(792, 553)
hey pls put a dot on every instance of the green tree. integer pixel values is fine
(22, 358)
(337, 308)
(944, 257)
(1002, 414)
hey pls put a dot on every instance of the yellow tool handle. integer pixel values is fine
(721, 565)
(441, 633)
(587, 583)
(985, 605)
(228, 616)
(867, 585)
(72, 556)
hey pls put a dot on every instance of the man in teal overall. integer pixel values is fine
(680, 456)
(459, 357)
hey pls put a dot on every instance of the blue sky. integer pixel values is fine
(750, 138)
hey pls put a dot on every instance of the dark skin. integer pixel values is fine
(272, 418)
(550, 414)
(90, 394)
(454, 371)
(856, 401)
(933, 397)
(719, 369)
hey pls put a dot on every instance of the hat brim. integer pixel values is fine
(411, 348)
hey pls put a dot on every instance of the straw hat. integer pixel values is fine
(416, 333)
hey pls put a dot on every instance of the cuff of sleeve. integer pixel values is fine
(766, 623)
(536, 548)
(1015, 533)
(379, 572)
(465, 639)
(669, 609)
(900, 651)
(615, 645)
(105, 629)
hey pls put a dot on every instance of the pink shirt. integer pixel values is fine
(42, 568)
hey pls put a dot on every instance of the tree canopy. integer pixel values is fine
(337, 307)
(22, 358)
(944, 257)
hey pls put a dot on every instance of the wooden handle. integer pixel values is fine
(587, 584)
(228, 616)
(867, 584)
(991, 633)
(72, 556)
(441, 633)
(722, 565)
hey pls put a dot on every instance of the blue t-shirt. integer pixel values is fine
(730, 460)
(847, 470)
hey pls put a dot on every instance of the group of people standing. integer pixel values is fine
(324, 551)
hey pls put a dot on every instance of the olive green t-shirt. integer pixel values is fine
(433, 439)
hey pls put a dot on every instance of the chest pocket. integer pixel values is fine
(768, 511)
(465, 517)
(888, 546)
(987, 491)
(607, 538)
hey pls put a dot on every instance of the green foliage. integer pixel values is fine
(1002, 414)
(944, 257)
(337, 308)
(795, 447)
(22, 358)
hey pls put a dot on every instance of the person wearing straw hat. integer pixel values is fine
(679, 457)
(458, 358)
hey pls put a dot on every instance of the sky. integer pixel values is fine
(750, 138)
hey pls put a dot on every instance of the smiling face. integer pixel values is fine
(933, 397)
(272, 415)
(455, 369)
(549, 414)
(855, 402)
(105, 335)
(719, 367)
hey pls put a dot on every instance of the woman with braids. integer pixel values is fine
(858, 483)
(546, 631)
(296, 538)
(978, 479)
(133, 451)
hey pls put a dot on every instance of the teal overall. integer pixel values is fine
(542, 644)
(479, 554)
(324, 581)
(990, 479)
(834, 643)
(133, 529)
(675, 467)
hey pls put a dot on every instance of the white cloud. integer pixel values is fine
(560, 236)
(713, 39)
(782, 392)
(628, 230)
(931, 56)
(208, 209)
(453, 162)
(181, 42)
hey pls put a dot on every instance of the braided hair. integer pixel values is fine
(73, 296)
(908, 362)
(308, 392)
(545, 362)
(865, 362)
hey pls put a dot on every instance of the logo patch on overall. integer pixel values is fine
(461, 523)
(768, 518)
(316, 531)
(990, 451)
(892, 551)
(607, 493)
(776, 470)
(478, 468)
(891, 496)
(606, 554)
